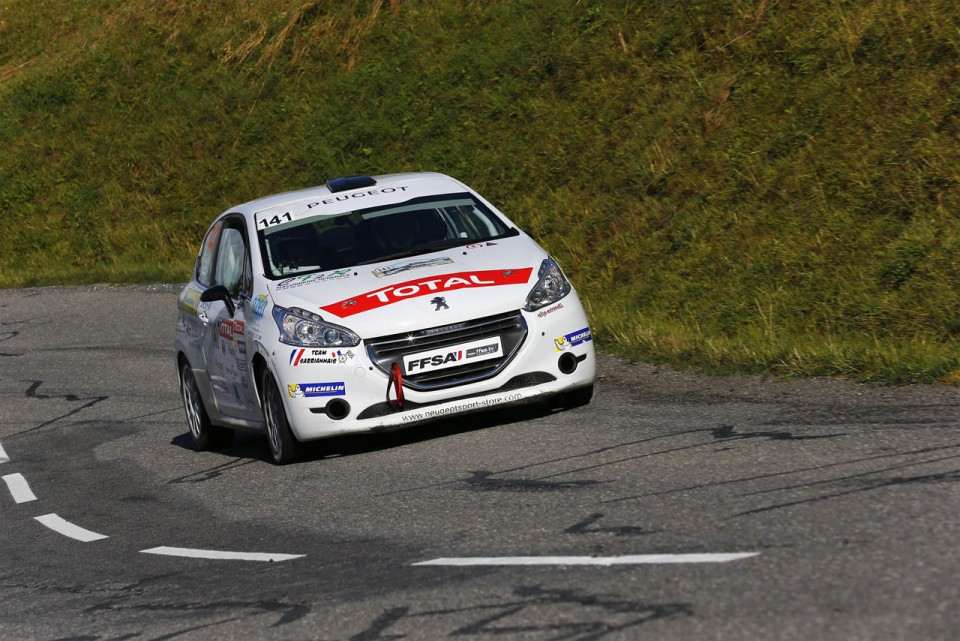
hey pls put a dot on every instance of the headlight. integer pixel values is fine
(551, 287)
(305, 329)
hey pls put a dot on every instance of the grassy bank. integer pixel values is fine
(735, 185)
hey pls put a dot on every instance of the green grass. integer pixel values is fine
(733, 185)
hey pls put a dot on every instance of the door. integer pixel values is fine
(226, 345)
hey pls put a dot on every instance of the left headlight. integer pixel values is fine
(551, 287)
(305, 329)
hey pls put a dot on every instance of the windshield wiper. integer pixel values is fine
(417, 251)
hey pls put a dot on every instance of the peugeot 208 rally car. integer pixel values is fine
(371, 303)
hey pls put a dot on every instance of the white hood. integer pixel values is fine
(439, 288)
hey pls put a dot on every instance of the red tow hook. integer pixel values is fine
(395, 382)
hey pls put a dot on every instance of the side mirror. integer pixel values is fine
(219, 292)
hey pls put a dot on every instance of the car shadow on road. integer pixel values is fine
(254, 446)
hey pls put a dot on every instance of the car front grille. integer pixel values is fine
(384, 351)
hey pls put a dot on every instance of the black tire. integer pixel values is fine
(283, 444)
(206, 435)
(574, 398)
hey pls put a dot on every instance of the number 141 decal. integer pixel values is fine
(276, 220)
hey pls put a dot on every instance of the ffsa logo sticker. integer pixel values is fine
(474, 351)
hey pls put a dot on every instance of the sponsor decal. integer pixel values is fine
(310, 390)
(480, 403)
(238, 328)
(480, 245)
(225, 329)
(474, 351)
(355, 195)
(407, 265)
(550, 310)
(425, 287)
(260, 305)
(574, 338)
(440, 302)
(267, 221)
(309, 279)
(190, 300)
(319, 356)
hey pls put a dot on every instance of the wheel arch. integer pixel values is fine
(181, 361)
(259, 364)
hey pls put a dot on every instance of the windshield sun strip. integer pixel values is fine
(463, 214)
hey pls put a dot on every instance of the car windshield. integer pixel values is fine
(365, 236)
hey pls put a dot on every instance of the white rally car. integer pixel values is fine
(372, 303)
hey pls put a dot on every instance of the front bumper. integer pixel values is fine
(331, 392)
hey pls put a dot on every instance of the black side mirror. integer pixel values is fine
(219, 292)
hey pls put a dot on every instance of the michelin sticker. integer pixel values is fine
(575, 338)
(310, 390)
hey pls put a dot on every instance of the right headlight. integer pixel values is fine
(305, 329)
(551, 286)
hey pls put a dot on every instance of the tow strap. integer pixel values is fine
(396, 384)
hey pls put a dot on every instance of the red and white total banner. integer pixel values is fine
(425, 287)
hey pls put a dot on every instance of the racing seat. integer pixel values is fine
(369, 244)
(432, 226)
(297, 252)
(337, 247)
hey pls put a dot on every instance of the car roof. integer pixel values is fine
(425, 181)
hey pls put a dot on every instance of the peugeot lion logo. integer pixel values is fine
(440, 302)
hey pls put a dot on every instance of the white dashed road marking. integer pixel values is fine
(635, 559)
(66, 528)
(21, 492)
(220, 555)
(19, 488)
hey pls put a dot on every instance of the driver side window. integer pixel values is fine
(231, 257)
(205, 259)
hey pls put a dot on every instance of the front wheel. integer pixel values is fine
(283, 444)
(206, 435)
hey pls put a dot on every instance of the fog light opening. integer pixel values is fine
(568, 363)
(338, 409)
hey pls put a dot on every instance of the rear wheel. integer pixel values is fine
(283, 444)
(206, 436)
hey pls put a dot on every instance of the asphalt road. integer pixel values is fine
(846, 495)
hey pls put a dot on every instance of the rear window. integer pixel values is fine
(367, 236)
